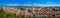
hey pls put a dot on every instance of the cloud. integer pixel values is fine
(48, 2)
(10, 4)
(33, 4)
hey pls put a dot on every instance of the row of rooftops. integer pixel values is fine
(37, 8)
(45, 11)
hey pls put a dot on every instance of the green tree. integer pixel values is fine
(2, 13)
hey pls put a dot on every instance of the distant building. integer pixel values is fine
(32, 11)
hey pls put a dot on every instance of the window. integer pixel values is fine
(56, 9)
(53, 9)
(29, 11)
(35, 10)
(21, 8)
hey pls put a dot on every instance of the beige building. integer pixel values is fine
(30, 11)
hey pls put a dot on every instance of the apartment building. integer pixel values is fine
(32, 11)
(46, 11)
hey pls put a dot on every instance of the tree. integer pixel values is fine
(2, 13)
(1, 10)
(54, 16)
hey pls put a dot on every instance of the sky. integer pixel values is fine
(29, 2)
